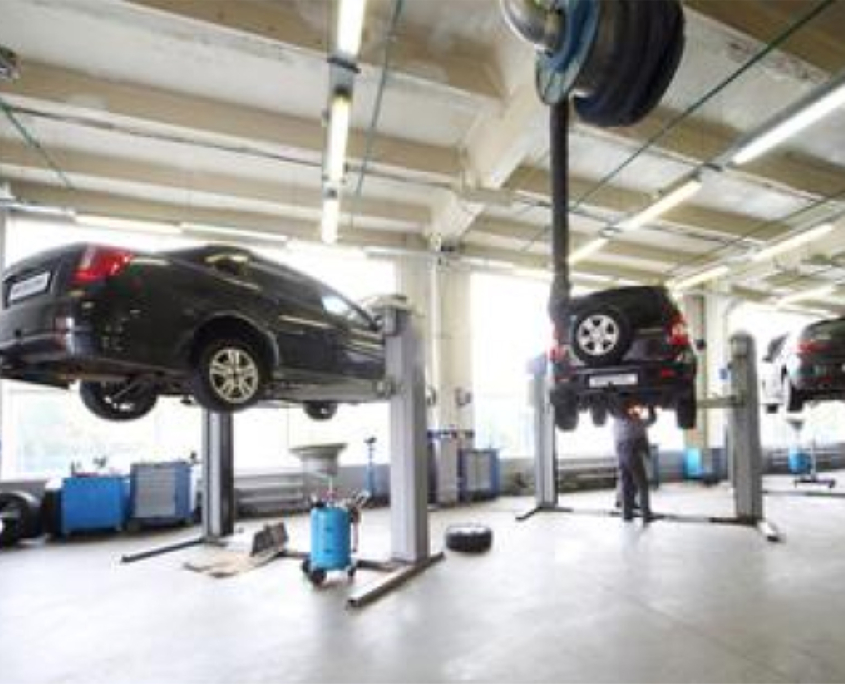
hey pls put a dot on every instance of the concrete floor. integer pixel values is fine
(560, 598)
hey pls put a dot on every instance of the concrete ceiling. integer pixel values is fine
(210, 111)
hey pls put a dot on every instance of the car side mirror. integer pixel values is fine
(700, 345)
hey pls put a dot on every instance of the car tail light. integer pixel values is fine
(667, 373)
(558, 351)
(99, 263)
(812, 346)
(678, 332)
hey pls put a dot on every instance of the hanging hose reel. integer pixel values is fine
(614, 58)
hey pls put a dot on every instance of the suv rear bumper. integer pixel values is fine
(658, 384)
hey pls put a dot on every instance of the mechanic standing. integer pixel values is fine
(630, 433)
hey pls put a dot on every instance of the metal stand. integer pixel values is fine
(746, 452)
(218, 489)
(411, 553)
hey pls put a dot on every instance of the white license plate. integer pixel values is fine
(624, 379)
(31, 286)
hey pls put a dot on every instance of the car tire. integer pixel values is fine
(229, 376)
(793, 402)
(469, 538)
(118, 401)
(601, 336)
(686, 412)
(20, 517)
(566, 413)
(599, 414)
(320, 410)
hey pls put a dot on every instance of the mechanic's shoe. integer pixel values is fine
(628, 518)
(648, 517)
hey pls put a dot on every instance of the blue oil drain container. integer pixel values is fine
(331, 547)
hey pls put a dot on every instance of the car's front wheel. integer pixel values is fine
(229, 376)
(320, 410)
(118, 400)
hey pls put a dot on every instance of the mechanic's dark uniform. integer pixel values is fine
(631, 436)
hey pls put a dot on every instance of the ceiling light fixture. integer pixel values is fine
(350, 27)
(338, 138)
(331, 218)
(803, 115)
(587, 250)
(814, 293)
(670, 200)
(793, 242)
(127, 225)
(698, 278)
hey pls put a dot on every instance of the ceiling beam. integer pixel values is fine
(620, 201)
(58, 90)
(461, 72)
(109, 204)
(695, 141)
(293, 200)
(819, 43)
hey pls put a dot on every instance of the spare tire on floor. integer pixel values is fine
(469, 538)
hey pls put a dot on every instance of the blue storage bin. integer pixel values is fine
(693, 466)
(330, 538)
(799, 462)
(94, 503)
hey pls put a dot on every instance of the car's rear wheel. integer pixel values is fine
(566, 413)
(229, 376)
(601, 336)
(320, 410)
(128, 400)
(686, 411)
(793, 401)
(19, 517)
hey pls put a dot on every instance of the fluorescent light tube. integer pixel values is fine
(803, 118)
(235, 232)
(128, 225)
(698, 278)
(793, 242)
(535, 274)
(815, 293)
(669, 201)
(338, 138)
(587, 250)
(350, 26)
(331, 218)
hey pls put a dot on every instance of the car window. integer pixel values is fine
(341, 307)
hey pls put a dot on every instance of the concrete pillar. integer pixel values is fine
(451, 343)
(4, 225)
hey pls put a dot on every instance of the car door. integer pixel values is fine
(306, 340)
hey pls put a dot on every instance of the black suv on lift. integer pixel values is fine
(625, 346)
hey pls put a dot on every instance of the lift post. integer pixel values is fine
(745, 449)
(219, 507)
(410, 543)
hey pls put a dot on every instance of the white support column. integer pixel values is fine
(4, 226)
(744, 436)
(452, 339)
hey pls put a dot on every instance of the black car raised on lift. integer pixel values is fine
(218, 323)
(804, 366)
(625, 346)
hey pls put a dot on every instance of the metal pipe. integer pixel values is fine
(559, 157)
(532, 21)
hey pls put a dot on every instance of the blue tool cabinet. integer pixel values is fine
(97, 502)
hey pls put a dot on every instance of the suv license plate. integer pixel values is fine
(30, 286)
(625, 379)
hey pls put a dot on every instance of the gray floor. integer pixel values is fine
(561, 598)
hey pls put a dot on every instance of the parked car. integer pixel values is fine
(217, 323)
(624, 346)
(807, 365)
